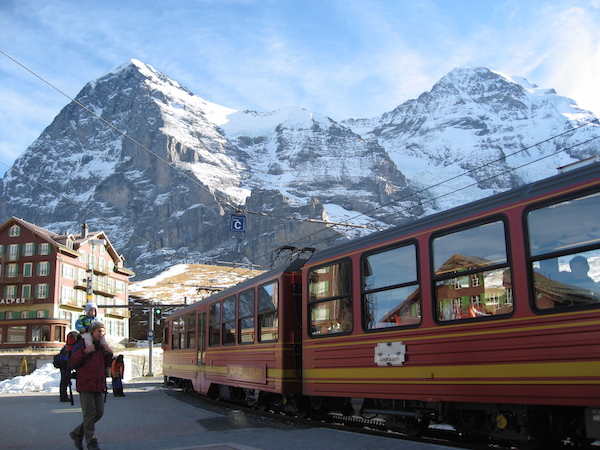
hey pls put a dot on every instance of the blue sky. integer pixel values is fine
(341, 58)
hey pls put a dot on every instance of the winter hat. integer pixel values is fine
(89, 306)
(95, 325)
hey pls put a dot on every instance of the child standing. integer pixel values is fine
(117, 372)
(84, 324)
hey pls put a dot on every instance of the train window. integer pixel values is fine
(190, 330)
(201, 337)
(246, 317)
(268, 313)
(391, 294)
(215, 324)
(330, 302)
(176, 333)
(229, 321)
(472, 276)
(181, 332)
(565, 256)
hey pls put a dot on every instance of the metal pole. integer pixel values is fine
(90, 286)
(150, 340)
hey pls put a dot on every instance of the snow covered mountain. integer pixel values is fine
(160, 169)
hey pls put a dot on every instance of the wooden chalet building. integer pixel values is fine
(47, 278)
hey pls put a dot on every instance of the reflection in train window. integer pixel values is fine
(391, 294)
(330, 303)
(472, 276)
(214, 324)
(229, 321)
(268, 312)
(190, 331)
(565, 257)
(246, 317)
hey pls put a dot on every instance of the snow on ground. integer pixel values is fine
(47, 378)
(44, 379)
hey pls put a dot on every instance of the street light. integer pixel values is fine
(90, 285)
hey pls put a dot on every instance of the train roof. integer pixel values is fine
(561, 180)
(293, 266)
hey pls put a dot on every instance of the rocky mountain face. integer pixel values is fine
(161, 170)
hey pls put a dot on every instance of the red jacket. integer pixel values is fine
(91, 375)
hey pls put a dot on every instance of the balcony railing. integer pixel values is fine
(8, 279)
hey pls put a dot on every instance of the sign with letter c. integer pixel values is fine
(238, 223)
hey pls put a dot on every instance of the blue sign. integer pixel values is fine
(238, 223)
(150, 335)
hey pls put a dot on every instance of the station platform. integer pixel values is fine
(148, 418)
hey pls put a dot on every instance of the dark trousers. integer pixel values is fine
(65, 374)
(92, 404)
(117, 384)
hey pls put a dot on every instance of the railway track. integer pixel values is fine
(373, 426)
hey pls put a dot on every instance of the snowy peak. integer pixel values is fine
(253, 124)
(186, 163)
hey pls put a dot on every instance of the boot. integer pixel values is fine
(78, 440)
(93, 444)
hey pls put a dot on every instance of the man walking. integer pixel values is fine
(91, 384)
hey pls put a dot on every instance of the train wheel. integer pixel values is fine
(413, 426)
(542, 431)
(317, 403)
(263, 402)
(303, 407)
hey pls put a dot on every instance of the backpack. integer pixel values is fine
(61, 359)
(73, 340)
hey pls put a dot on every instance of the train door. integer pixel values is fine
(201, 371)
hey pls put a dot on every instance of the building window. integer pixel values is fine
(43, 268)
(12, 270)
(68, 271)
(59, 333)
(10, 292)
(41, 290)
(45, 248)
(82, 256)
(8, 315)
(67, 294)
(29, 249)
(15, 230)
(27, 269)
(24, 314)
(13, 252)
(41, 314)
(16, 334)
(26, 291)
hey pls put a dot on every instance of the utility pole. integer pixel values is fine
(150, 339)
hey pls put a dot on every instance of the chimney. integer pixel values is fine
(84, 230)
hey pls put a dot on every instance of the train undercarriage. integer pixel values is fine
(522, 426)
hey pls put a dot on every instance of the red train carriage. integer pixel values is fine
(242, 344)
(486, 317)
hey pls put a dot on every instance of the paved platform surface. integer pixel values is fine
(148, 418)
